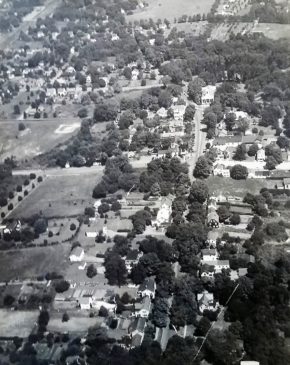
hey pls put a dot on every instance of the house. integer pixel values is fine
(209, 254)
(206, 301)
(14, 226)
(137, 330)
(260, 155)
(208, 94)
(228, 141)
(213, 219)
(217, 265)
(85, 303)
(249, 363)
(132, 259)
(162, 112)
(142, 309)
(147, 288)
(207, 271)
(286, 183)
(164, 213)
(178, 111)
(221, 170)
(77, 254)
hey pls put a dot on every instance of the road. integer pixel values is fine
(200, 140)
(72, 171)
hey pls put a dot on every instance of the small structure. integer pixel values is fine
(85, 303)
(249, 363)
(77, 254)
(286, 183)
(208, 94)
(221, 169)
(206, 301)
(147, 288)
(12, 227)
(261, 156)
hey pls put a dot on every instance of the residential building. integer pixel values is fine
(85, 303)
(206, 301)
(211, 267)
(14, 226)
(249, 363)
(229, 141)
(164, 213)
(286, 183)
(147, 288)
(209, 254)
(221, 170)
(178, 111)
(142, 309)
(207, 271)
(132, 259)
(261, 156)
(213, 219)
(208, 94)
(77, 254)
(137, 330)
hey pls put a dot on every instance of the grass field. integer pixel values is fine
(274, 31)
(60, 196)
(170, 9)
(38, 137)
(17, 323)
(229, 187)
(33, 262)
(75, 325)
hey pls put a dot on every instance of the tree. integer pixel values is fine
(90, 211)
(202, 327)
(253, 149)
(106, 111)
(240, 153)
(223, 213)
(8, 300)
(61, 286)
(100, 191)
(235, 219)
(21, 127)
(271, 163)
(65, 317)
(116, 271)
(283, 142)
(160, 312)
(72, 227)
(243, 125)
(195, 90)
(230, 121)
(43, 319)
(198, 192)
(16, 110)
(202, 168)
(91, 271)
(239, 172)
(127, 73)
(40, 225)
(276, 231)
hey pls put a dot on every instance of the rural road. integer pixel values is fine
(72, 171)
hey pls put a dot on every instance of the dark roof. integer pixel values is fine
(138, 324)
(148, 284)
(228, 139)
(208, 251)
(137, 340)
(132, 255)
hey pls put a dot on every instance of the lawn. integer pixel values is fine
(170, 9)
(38, 137)
(33, 262)
(60, 196)
(17, 323)
(274, 31)
(229, 187)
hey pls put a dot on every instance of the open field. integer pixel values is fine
(33, 262)
(14, 323)
(170, 9)
(39, 136)
(60, 196)
(229, 187)
(75, 325)
(274, 31)
(195, 29)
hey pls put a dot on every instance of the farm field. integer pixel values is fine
(33, 262)
(39, 136)
(229, 187)
(14, 323)
(170, 9)
(60, 196)
(274, 31)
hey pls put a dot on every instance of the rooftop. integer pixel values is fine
(148, 284)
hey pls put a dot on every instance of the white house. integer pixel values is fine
(147, 288)
(164, 214)
(209, 255)
(162, 112)
(178, 111)
(85, 303)
(14, 226)
(208, 94)
(220, 169)
(261, 156)
(132, 259)
(249, 363)
(206, 301)
(142, 309)
(77, 254)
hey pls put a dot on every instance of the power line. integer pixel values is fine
(211, 327)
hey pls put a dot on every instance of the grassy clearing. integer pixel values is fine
(38, 137)
(33, 262)
(229, 187)
(171, 9)
(17, 323)
(60, 196)
(274, 31)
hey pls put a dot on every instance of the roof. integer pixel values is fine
(208, 251)
(213, 216)
(132, 255)
(148, 284)
(249, 363)
(144, 305)
(84, 300)
(138, 324)
(217, 263)
(137, 340)
(205, 298)
(286, 181)
(77, 251)
(228, 139)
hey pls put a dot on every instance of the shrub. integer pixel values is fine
(65, 317)
(73, 227)
(18, 188)
(39, 179)
(61, 286)
(20, 198)
(10, 206)
(11, 195)
(25, 193)
(32, 176)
